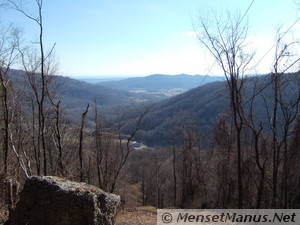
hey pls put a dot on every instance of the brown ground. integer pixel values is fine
(144, 215)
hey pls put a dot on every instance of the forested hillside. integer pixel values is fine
(75, 94)
(199, 160)
(203, 106)
(199, 106)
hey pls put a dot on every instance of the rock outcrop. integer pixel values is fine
(55, 201)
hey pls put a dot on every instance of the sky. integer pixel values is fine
(140, 37)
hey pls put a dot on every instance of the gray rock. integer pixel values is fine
(56, 201)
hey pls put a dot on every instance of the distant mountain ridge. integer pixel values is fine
(76, 94)
(158, 82)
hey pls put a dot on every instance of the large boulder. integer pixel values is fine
(56, 201)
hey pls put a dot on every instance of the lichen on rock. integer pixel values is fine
(56, 201)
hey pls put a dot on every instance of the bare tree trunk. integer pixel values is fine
(80, 150)
(238, 124)
(4, 101)
(58, 137)
(37, 152)
(98, 144)
(275, 147)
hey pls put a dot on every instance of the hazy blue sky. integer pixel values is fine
(141, 37)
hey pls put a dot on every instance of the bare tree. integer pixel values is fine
(58, 136)
(38, 68)
(124, 152)
(9, 38)
(261, 158)
(226, 40)
(280, 106)
(102, 146)
(80, 150)
(189, 145)
(223, 160)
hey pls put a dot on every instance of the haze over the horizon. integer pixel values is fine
(138, 38)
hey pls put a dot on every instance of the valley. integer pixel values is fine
(213, 122)
(151, 133)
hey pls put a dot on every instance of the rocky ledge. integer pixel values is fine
(56, 201)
